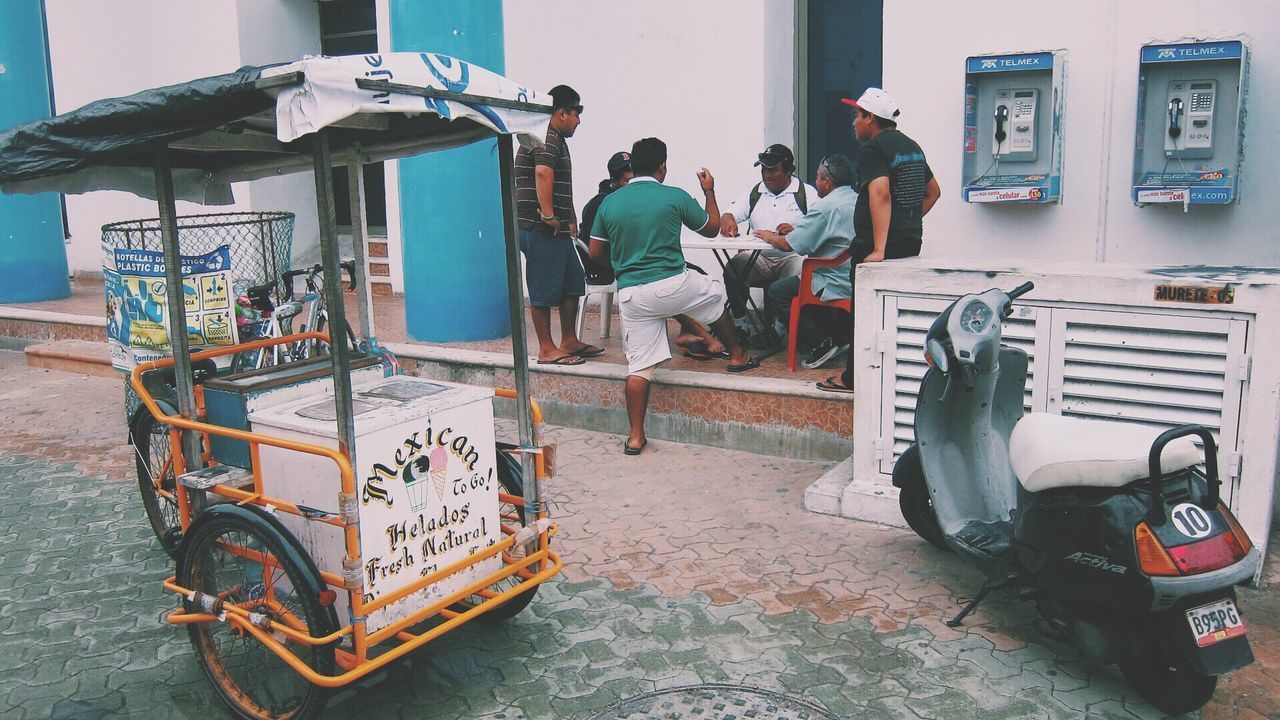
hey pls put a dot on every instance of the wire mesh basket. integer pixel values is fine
(260, 244)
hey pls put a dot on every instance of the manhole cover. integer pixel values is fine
(714, 702)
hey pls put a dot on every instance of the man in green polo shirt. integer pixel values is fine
(637, 230)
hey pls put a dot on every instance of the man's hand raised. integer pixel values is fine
(705, 179)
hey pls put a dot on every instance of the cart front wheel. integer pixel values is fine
(248, 559)
(156, 483)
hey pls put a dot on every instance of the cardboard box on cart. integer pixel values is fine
(426, 484)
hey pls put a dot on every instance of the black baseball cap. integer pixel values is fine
(775, 155)
(619, 163)
(564, 97)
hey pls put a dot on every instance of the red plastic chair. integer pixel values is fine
(806, 297)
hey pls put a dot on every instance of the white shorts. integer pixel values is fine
(645, 309)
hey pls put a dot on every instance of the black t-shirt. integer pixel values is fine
(895, 156)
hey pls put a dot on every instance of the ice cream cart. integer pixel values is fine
(345, 522)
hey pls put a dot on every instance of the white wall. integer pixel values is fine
(273, 31)
(100, 50)
(689, 73)
(924, 70)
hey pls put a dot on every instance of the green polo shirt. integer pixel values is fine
(641, 221)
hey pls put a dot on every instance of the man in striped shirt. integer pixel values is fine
(548, 224)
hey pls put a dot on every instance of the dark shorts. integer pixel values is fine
(552, 269)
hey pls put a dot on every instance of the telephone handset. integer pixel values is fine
(1013, 136)
(1189, 118)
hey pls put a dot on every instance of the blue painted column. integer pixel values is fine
(33, 257)
(455, 286)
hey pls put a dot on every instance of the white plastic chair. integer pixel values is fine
(604, 298)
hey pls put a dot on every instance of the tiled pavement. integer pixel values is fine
(687, 565)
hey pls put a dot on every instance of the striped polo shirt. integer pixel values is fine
(554, 153)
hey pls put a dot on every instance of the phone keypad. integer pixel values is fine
(1201, 102)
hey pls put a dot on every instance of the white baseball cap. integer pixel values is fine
(877, 102)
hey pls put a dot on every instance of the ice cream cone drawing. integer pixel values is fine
(439, 465)
(415, 482)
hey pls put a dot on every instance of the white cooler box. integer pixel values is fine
(426, 484)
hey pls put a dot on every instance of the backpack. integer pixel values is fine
(802, 202)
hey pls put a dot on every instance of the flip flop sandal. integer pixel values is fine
(589, 351)
(564, 360)
(698, 354)
(750, 364)
(628, 450)
(832, 384)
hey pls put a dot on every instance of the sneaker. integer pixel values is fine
(823, 352)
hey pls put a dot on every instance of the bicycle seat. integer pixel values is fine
(1051, 451)
(287, 310)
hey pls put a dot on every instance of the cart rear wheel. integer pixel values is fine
(156, 480)
(511, 481)
(249, 559)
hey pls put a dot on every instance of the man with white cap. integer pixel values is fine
(896, 190)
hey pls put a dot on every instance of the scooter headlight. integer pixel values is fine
(975, 317)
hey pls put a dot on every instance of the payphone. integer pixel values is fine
(1012, 139)
(1013, 136)
(1190, 113)
(1188, 146)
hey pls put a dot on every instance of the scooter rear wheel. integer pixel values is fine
(1168, 688)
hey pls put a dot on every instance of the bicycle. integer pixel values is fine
(281, 320)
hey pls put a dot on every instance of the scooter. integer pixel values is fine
(1111, 528)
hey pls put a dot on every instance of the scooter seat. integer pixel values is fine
(1051, 451)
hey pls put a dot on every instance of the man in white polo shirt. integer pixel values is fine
(773, 204)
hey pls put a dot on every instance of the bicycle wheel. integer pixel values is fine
(511, 480)
(156, 479)
(246, 558)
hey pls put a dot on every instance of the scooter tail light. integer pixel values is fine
(1153, 559)
(1214, 553)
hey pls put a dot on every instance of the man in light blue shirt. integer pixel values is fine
(825, 231)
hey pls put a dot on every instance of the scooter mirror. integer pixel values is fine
(937, 356)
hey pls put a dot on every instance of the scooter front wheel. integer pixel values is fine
(1168, 688)
(914, 500)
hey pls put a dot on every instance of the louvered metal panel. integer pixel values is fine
(1156, 370)
(907, 320)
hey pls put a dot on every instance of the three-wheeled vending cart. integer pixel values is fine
(331, 516)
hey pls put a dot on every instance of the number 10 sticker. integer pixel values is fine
(1192, 521)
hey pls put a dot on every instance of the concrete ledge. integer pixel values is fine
(610, 371)
(18, 324)
(770, 416)
(77, 356)
(836, 493)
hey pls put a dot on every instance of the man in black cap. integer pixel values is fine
(548, 223)
(773, 204)
(619, 174)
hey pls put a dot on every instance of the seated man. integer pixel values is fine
(637, 229)
(825, 231)
(775, 204)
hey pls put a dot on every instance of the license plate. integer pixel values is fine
(1215, 622)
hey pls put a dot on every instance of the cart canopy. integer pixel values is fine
(253, 123)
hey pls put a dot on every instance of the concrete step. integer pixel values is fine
(767, 415)
(837, 493)
(770, 416)
(77, 356)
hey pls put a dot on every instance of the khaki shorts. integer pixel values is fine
(645, 309)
